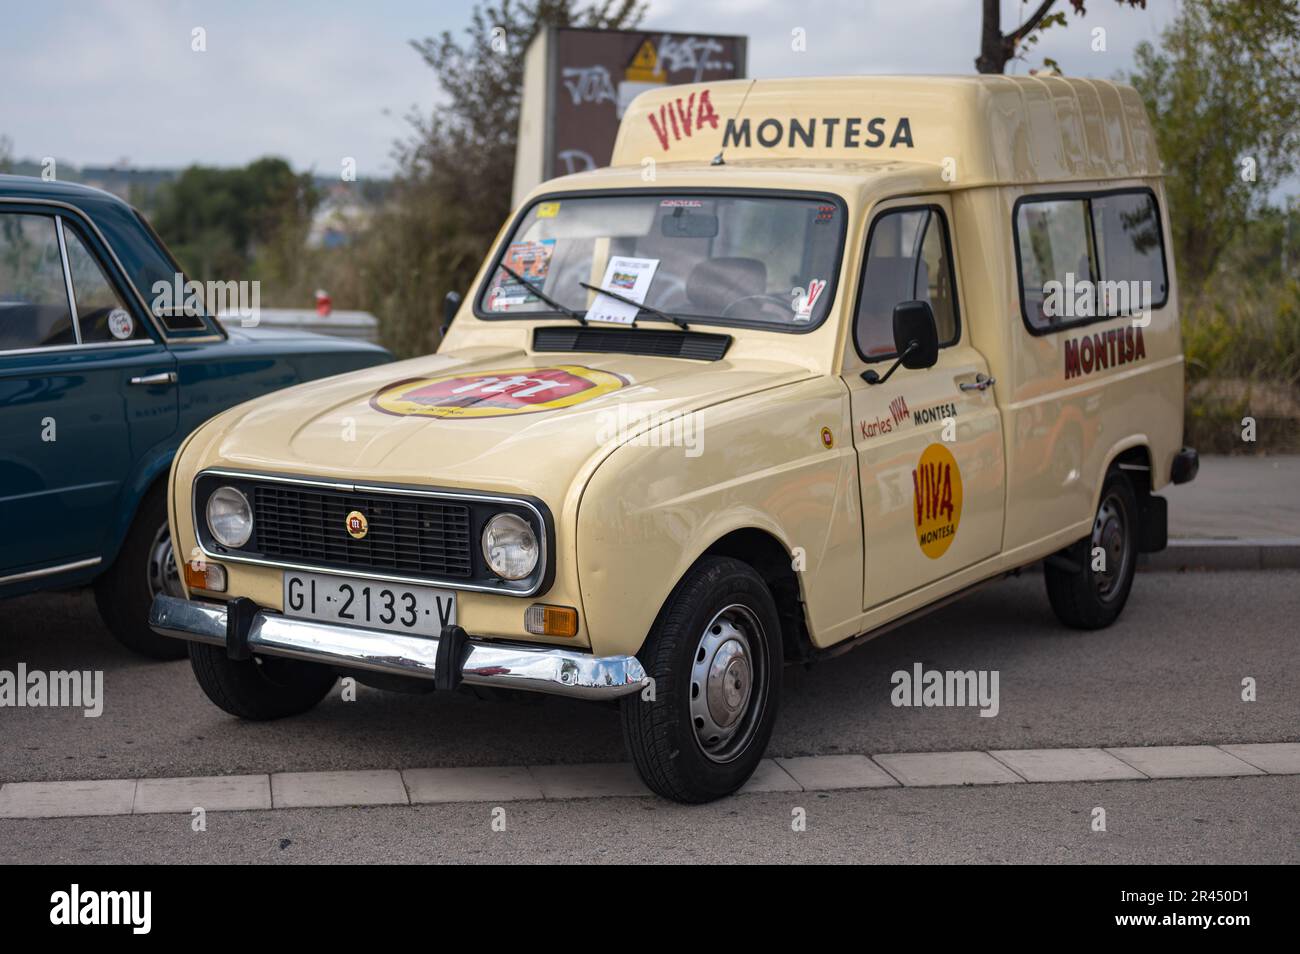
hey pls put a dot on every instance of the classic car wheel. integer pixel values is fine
(714, 654)
(1092, 596)
(260, 688)
(144, 568)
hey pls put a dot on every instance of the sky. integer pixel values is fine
(98, 82)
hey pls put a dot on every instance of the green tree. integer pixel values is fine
(997, 49)
(6, 154)
(452, 190)
(1223, 91)
(216, 220)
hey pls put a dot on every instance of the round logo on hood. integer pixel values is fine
(496, 393)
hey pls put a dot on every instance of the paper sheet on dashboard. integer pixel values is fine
(629, 277)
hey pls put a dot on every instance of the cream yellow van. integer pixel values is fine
(811, 357)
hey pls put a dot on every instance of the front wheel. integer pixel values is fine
(699, 730)
(145, 567)
(261, 688)
(1089, 587)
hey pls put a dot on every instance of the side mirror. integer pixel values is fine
(450, 305)
(916, 335)
(916, 339)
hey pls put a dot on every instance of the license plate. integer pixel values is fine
(373, 604)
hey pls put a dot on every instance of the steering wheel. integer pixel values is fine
(768, 301)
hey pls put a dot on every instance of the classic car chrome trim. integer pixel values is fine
(88, 346)
(67, 278)
(539, 668)
(51, 570)
(364, 488)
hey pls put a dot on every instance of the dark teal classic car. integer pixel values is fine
(99, 386)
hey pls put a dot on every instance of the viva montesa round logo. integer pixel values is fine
(496, 393)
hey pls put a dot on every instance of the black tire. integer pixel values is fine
(261, 688)
(717, 599)
(1087, 598)
(143, 568)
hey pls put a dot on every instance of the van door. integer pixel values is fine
(929, 442)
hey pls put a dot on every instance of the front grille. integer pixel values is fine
(405, 534)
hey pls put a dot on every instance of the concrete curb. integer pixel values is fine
(1208, 553)
(366, 788)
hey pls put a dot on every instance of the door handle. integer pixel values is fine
(162, 377)
(982, 382)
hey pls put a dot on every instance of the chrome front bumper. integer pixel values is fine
(560, 672)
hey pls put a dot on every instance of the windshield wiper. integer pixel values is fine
(655, 312)
(540, 295)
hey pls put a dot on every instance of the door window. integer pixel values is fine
(909, 258)
(102, 314)
(34, 310)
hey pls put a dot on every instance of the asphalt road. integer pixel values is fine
(1169, 673)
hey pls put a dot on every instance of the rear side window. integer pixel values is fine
(102, 314)
(1089, 258)
(34, 310)
(909, 258)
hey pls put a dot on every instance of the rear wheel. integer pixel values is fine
(1090, 592)
(260, 688)
(145, 567)
(715, 657)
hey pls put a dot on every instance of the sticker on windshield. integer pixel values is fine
(496, 393)
(628, 278)
(681, 204)
(532, 260)
(548, 210)
(805, 301)
(120, 324)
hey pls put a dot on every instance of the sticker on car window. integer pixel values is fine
(496, 393)
(806, 299)
(532, 260)
(548, 210)
(120, 324)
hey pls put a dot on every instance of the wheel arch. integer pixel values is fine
(772, 560)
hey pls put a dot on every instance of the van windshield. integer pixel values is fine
(718, 259)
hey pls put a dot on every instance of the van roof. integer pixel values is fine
(977, 130)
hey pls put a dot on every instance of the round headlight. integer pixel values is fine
(230, 518)
(510, 546)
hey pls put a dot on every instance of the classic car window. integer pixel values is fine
(34, 308)
(908, 260)
(1055, 243)
(1106, 238)
(761, 260)
(1127, 226)
(102, 314)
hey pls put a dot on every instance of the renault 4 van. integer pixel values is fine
(811, 357)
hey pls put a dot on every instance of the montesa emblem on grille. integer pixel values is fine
(357, 524)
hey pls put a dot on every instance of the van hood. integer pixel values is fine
(491, 419)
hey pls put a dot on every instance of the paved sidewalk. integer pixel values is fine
(286, 790)
(1255, 498)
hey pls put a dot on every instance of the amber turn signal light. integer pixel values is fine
(201, 575)
(543, 620)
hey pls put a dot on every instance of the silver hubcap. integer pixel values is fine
(1110, 533)
(163, 574)
(728, 683)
